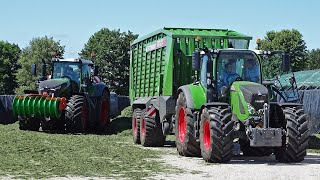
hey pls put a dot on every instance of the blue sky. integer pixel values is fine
(74, 21)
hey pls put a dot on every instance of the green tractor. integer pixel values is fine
(72, 99)
(230, 103)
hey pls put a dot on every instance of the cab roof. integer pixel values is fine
(84, 61)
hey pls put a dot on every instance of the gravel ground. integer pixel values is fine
(240, 167)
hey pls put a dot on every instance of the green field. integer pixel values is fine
(39, 155)
(26, 154)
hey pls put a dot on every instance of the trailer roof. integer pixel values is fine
(192, 32)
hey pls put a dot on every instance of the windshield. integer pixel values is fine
(232, 65)
(66, 69)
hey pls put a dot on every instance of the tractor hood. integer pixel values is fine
(54, 85)
(253, 93)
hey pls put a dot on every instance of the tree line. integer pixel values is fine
(111, 50)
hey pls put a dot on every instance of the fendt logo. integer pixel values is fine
(156, 45)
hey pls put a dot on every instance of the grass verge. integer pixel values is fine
(26, 154)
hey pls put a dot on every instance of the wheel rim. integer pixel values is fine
(135, 130)
(143, 129)
(206, 135)
(182, 124)
(104, 112)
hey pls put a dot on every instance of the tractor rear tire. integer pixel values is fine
(295, 141)
(136, 118)
(184, 123)
(247, 150)
(30, 124)
(76, 114)
(151, 131)
(104, 112)
(216, 134)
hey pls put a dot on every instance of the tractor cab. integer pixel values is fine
(230, 66)
(67, 76)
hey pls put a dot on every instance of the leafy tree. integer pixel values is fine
(41, 48)
(314, 59)
(290, 41)
(9, 55)
(111, 49)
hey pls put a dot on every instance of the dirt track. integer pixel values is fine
(240, 167)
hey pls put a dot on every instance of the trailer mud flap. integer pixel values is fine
(270, 137)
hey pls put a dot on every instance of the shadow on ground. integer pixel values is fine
(119, 125)
(270, 160)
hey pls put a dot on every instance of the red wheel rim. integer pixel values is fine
(135, 130)
(182, 124)
(206, 135)
(143, 128)
(104, 112)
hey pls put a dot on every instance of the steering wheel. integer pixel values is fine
(233, 77)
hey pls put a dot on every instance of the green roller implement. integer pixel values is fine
(70, 100)
(38, 106)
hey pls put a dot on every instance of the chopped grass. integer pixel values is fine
(314, 143)
(26, 154)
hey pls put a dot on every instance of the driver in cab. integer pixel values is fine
(228, 72)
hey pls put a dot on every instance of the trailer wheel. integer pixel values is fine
(104, 112)
(31, 124)
(247, 150)
(184, 123)
(136, 118)
(216, 134)
(295, 141)
(76, 114)
(151, 131)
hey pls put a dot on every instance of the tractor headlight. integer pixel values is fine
(251, 109)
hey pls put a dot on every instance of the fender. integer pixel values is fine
(195, 95)
(98, 89)
(141, 102)
(285, 104)
(214, 104)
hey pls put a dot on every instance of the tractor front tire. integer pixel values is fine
(104, 112)
(295, 141)
(76, 114)
(184, 123)
(216, 134)
(30, 124)
(136, 118)
(151, 131)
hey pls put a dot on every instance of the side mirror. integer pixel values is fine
(34, 69)
(96, 71)
(285, 66)
(196, 61)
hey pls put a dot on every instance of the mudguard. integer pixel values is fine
(98, 89)
(195, 95)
